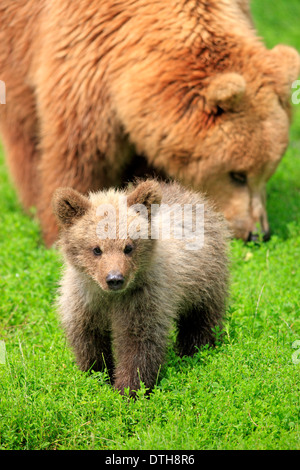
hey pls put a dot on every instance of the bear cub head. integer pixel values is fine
(105, 235)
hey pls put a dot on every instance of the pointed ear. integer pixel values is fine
(289, 59)
(148, 192)
(68, 206)
(225, 91)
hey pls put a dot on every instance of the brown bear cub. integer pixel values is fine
(133, 265)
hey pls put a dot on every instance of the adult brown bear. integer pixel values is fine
(187, 84)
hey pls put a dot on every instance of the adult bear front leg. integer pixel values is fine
(72, 155)
(82, 144)
(19, 134)
(65, 169)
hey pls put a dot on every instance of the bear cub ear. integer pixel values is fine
(148, 192)
(69, 205)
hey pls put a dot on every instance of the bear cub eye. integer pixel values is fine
(238, 178)
(97, 251)
(128, 249)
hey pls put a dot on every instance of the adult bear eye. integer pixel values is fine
(97, 251)
(128, 249)
(238, 178)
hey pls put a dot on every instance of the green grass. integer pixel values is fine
(242, 395)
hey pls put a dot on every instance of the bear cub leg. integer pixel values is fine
(93, 350)
(195, 329)
(138, 358)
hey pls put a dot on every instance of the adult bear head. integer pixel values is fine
(213, 112)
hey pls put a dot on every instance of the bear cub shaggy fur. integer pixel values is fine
(121, 293)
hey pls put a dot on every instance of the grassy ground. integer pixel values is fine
(242, 395)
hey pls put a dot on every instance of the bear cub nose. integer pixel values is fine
(115, 280)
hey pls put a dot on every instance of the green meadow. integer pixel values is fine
(243, 394)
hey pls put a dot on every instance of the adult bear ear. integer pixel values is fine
(146, 193)
(225, 91)
(68, 206)
(289, 60)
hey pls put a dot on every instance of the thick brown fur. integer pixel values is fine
(126, 330)
(187, 84)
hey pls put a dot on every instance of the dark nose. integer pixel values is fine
(255, 237)
(115, 280)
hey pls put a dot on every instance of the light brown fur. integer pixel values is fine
(188, 85)
(164, 281)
